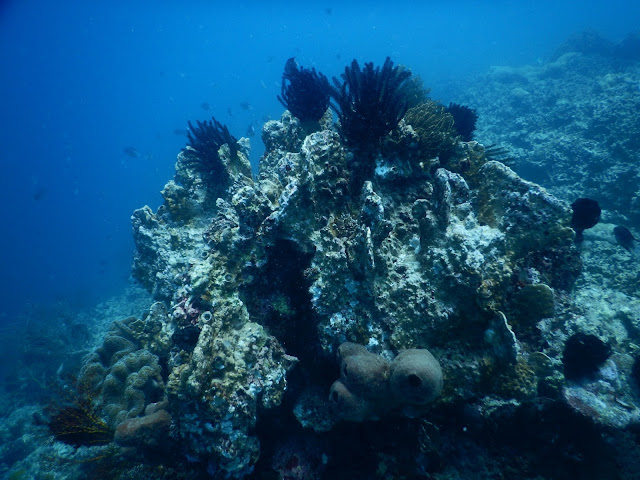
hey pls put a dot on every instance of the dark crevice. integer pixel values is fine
(279, 298)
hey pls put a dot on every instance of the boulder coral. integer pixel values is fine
(122, 375)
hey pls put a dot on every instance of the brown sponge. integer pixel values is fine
(348, 406)
(416, 377)
(366, 374)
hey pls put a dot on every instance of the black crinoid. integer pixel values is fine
(305, 93)
(205, 140)
(464, 120)
(369, 102)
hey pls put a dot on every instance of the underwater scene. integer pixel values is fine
(357, 240)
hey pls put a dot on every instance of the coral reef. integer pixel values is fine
(450, 290)
(304, 92)
(280, 270)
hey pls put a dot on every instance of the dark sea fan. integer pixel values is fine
(206, 139)
(464, 120)
(305, 93)
(370, 102)
(77, 420)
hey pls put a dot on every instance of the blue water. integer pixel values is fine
(82, 81)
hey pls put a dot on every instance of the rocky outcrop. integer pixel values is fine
(570, 123)
(265, 281)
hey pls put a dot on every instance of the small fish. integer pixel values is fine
(586, 214)
(39, 194)
(246, 106)
(131, 151)
(291, 67)
(250, 131)
(624, 237)
(180, 131)
(205, 106)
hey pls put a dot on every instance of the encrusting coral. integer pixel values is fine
(123, 376)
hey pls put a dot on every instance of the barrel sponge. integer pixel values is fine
(416, 377)
(348, 406)
(365, 374)
(348, 349)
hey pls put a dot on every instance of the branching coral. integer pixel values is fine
(370, 102)
(464, 120)
(305, 93)
(205, 140)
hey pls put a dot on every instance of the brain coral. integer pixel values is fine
(121, 377)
